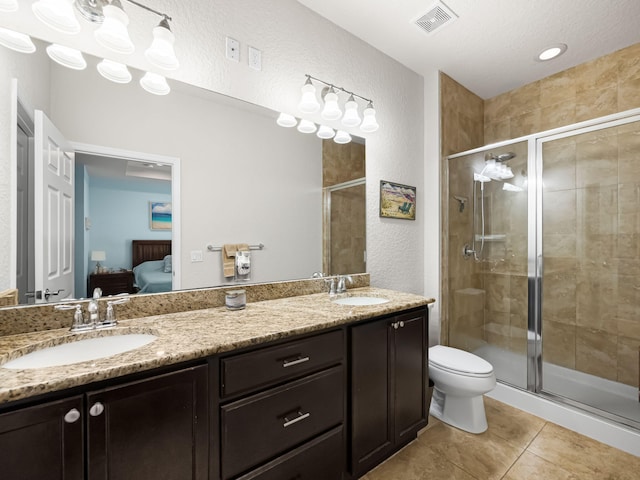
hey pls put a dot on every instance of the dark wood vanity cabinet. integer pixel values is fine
(43, 442)
(389, 379)
(151, 428)
(282, 411)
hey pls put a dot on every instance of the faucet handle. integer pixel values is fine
(78, 318)
(110, 318)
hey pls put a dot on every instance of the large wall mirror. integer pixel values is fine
(231, 175)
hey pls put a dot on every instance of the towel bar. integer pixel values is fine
(211, 248)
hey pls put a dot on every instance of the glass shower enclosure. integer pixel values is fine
(542, 262)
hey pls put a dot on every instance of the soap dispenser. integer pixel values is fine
(243, 265)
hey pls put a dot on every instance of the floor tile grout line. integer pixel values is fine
(524, 450)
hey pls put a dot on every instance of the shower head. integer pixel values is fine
(478, 177)
(503, 157)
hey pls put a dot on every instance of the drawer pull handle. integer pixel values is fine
(301, 416)
(72, 416)
(96, 409)
(297, 361)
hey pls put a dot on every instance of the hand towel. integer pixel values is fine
(228, 259)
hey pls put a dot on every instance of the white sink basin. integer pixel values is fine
(81, 351)
(359, 301)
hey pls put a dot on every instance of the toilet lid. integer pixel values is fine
(458, 360)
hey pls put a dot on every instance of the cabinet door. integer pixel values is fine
(151, 429)
(371, 422)
(43, 442)
(409, 376)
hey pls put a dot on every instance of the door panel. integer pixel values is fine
(53, 211)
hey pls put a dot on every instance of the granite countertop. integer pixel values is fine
(188, 335)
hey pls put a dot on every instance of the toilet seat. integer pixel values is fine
(459, 362)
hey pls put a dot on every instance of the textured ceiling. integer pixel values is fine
(490, 47)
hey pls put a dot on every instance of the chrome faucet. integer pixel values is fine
(342, 283)
(332, 285)
(110, 317)
(93, 307)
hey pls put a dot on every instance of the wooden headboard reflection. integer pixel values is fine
(145, 250)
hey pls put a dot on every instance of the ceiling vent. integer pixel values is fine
(437, 17)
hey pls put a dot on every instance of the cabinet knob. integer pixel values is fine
(72, 416)
(401, 324)
(96, 409)
(395, 325)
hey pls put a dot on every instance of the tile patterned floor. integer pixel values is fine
(517, 446)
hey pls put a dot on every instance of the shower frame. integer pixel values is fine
(535, 259)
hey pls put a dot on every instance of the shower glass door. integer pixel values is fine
(487, 258)
(591, 267)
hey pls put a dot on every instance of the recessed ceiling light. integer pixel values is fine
(551, 52)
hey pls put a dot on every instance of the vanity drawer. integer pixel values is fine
(265, 425)
(320, 459)
(261, 368)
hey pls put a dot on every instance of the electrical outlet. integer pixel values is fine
(255, 58)
(196, 256)
(233, 49)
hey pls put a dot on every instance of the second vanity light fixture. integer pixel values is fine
(331, 111)
(112, 34)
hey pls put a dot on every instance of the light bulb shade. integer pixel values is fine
(67, 57)
(8, 5)
(306, 126)
(369, 123)
(98, 256)
(342, 137)
(16, 41)
(113, 33)
(154, 83)
(161, 53)
(57, 14)
(351, 117)
(114, 71)
(308, 102)
(286, 120)
(331, 110)
(325, 132)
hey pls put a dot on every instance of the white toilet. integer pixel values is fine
(460, 378)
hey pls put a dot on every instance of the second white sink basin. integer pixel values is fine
(81, 351)
(359, 301)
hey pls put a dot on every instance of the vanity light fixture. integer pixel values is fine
(114, 71)
(369, 123)
(154, 83)
(331, 110)
(67, 57)
(286, 120)
(306, 126)
(8, 5)
(57, 14)
(112, 33)
(342, 137)
(325, 132)
(16, 41)
(308, 102)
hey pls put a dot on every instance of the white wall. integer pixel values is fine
(295, 41)
(30, 89)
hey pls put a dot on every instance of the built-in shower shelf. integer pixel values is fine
(498, 237)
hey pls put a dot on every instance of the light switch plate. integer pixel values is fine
(255, 58)
(196, 256)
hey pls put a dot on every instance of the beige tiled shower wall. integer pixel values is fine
(592, 217)
(461, 118)
(607, 85)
